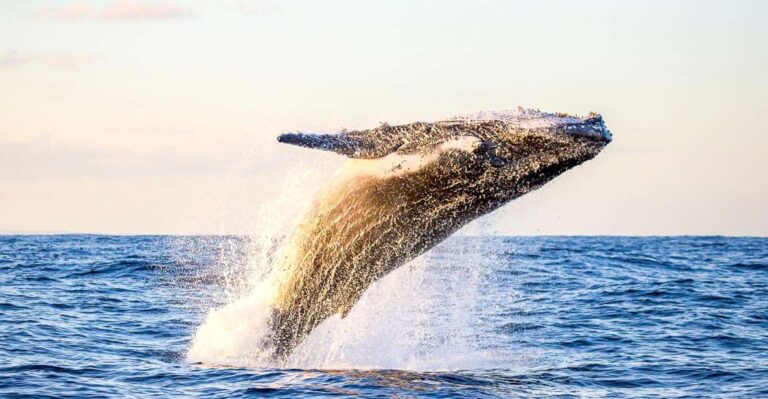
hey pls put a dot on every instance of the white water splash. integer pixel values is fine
(232, 334)
(416, 318)
(412, 319)
(419, 317)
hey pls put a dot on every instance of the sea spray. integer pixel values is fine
(234, 333)
(415, 318)
(240, 271)
(419, 317)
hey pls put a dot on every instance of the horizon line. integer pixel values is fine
(9, 233)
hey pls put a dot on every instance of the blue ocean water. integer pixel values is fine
(96, 316)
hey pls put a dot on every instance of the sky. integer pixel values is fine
(160, 117)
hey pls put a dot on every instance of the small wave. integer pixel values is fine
(49, 368)
(751, 266)
(5, 306)
(117, 267)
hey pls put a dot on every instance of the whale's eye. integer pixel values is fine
(489, 152)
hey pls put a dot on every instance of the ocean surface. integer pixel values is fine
(154, 316)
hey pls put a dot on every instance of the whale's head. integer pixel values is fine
(527, 148)
(512, 152)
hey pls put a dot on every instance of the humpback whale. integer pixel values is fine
(407, 188)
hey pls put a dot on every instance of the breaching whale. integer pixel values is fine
(407, 188)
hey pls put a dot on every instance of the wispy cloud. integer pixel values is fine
(69, 12)
(133, 10)
(13, 59)
(63, 61)
(120, 10)
(259, 7)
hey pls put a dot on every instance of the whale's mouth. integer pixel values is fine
(590, 127)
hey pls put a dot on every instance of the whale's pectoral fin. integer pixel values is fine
(353, 145)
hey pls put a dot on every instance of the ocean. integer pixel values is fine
(567, 317)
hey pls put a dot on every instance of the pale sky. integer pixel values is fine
(152, 116)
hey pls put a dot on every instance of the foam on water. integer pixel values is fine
(232, 334)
